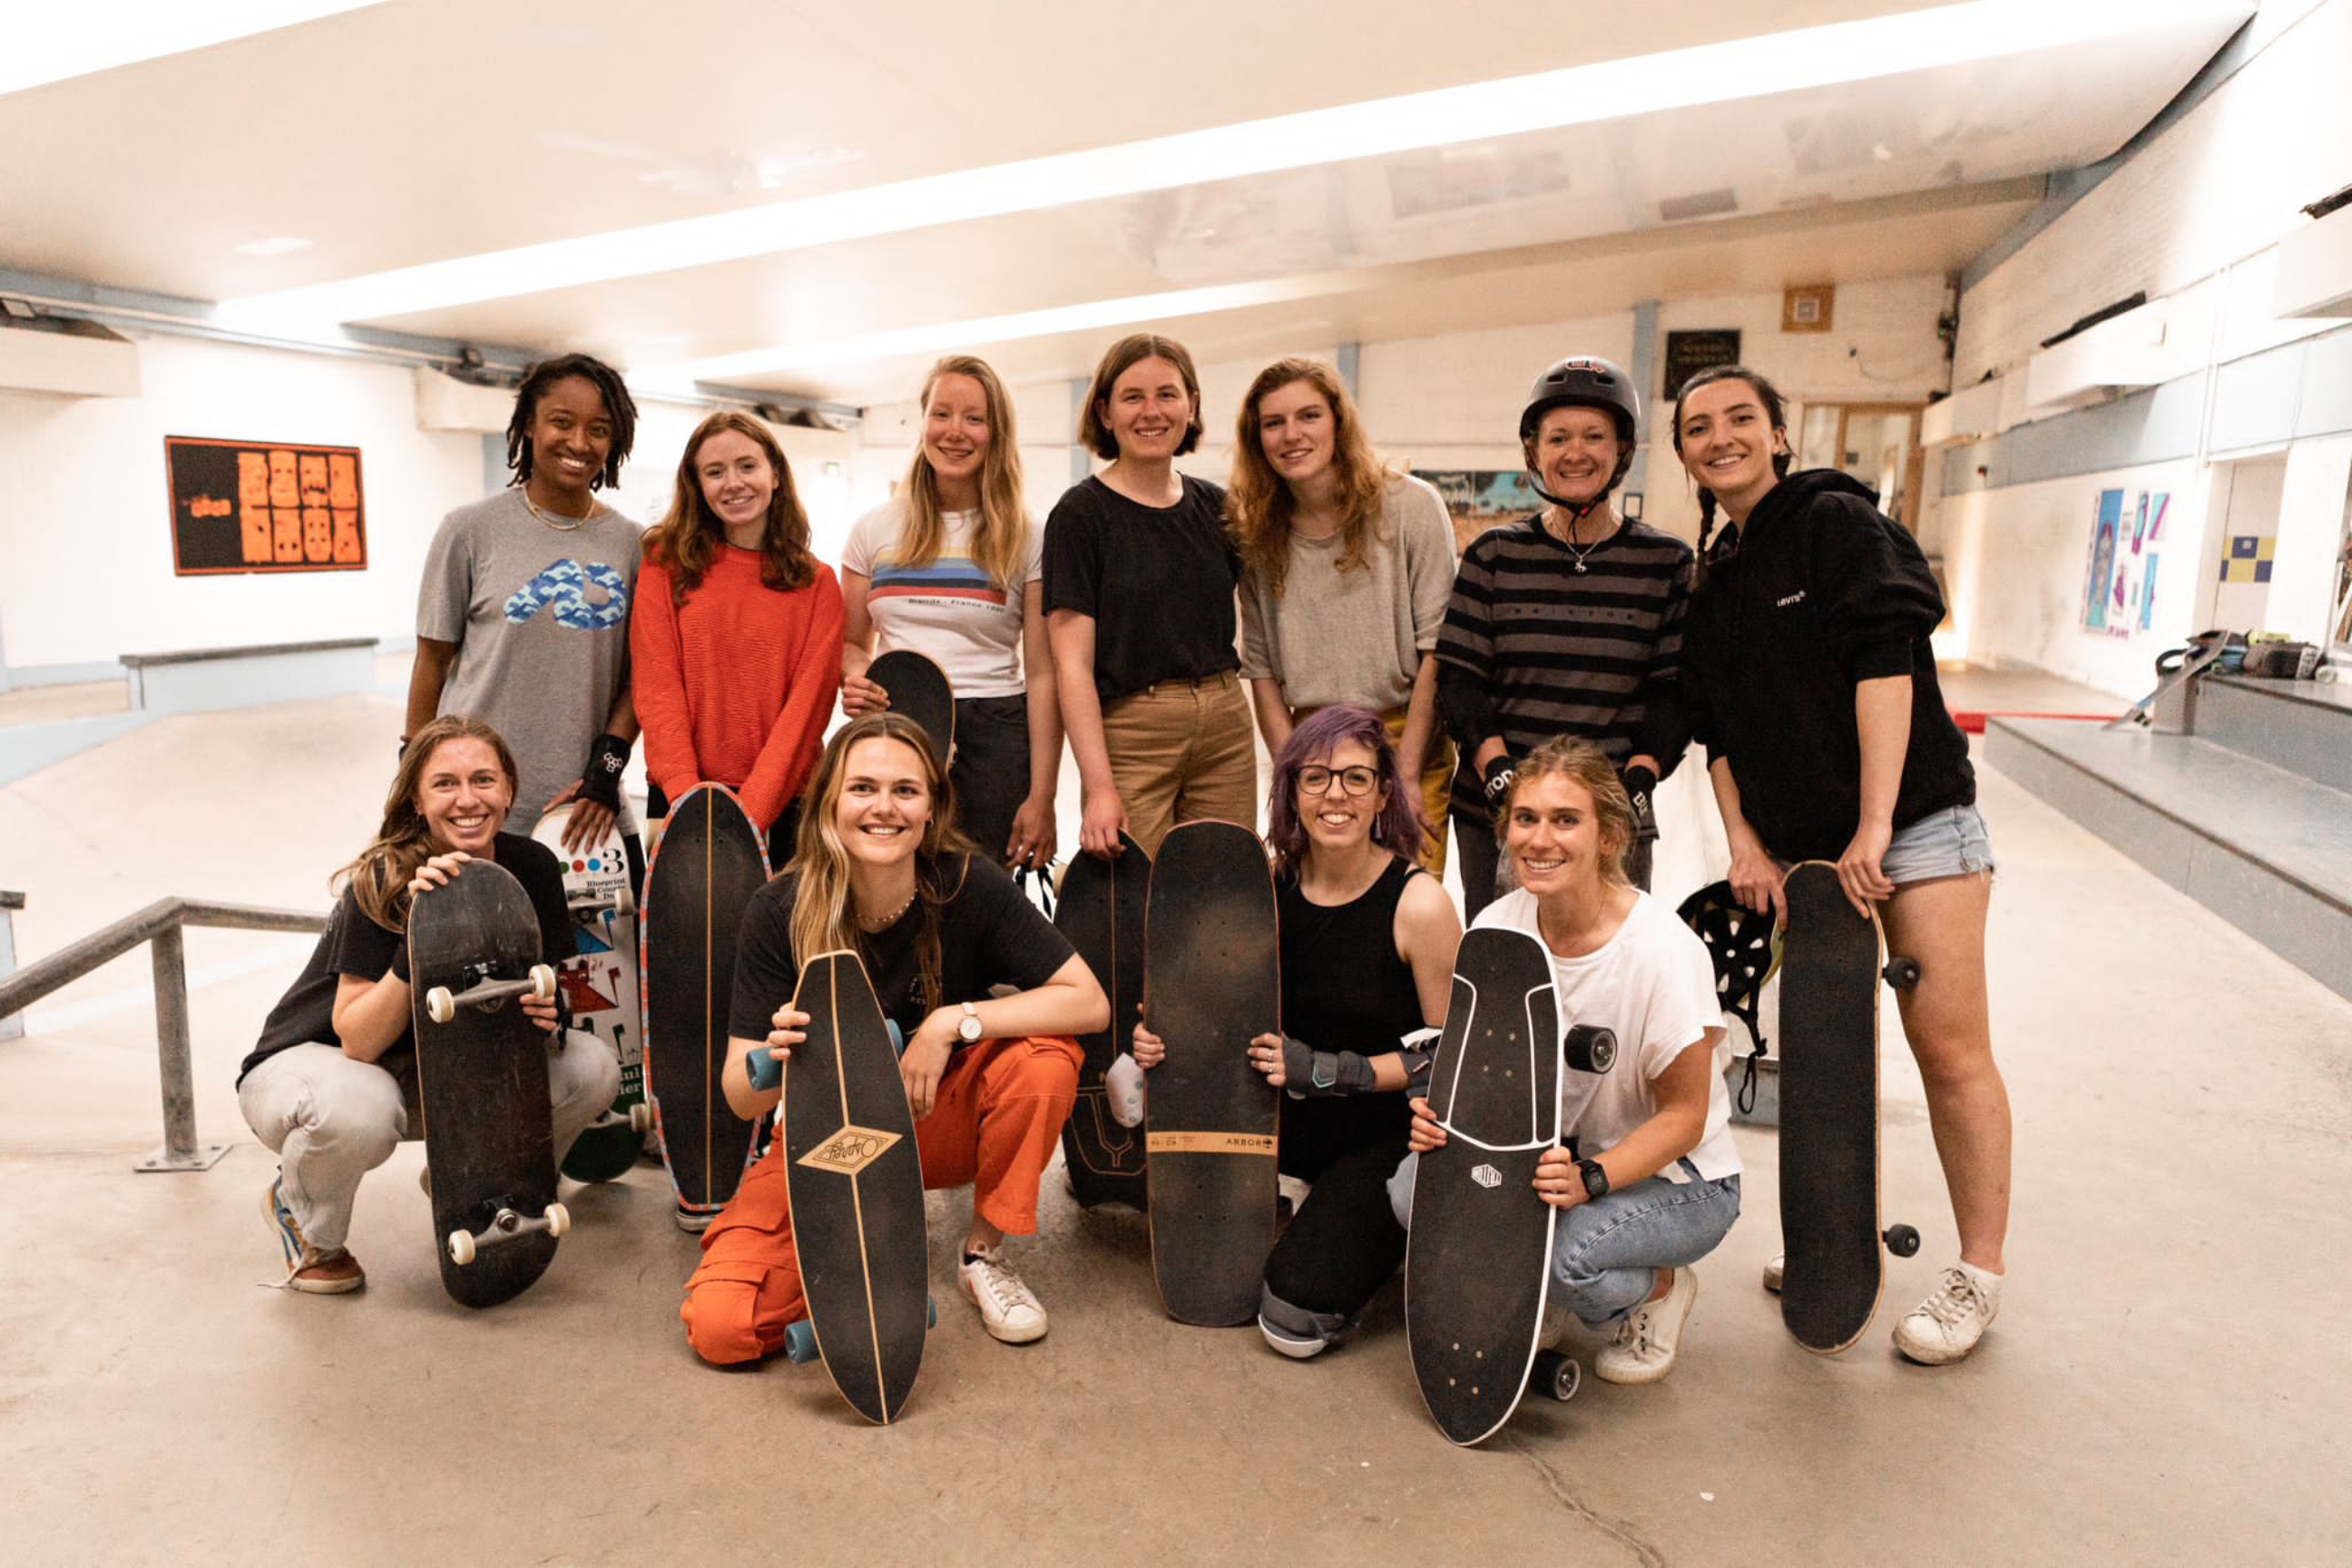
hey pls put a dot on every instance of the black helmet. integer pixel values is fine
(1582, 382)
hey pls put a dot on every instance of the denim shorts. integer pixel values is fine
(1948, 843)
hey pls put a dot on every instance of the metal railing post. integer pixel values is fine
(12, 1028)
(180, 1151)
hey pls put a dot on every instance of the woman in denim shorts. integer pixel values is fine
(1811, 684)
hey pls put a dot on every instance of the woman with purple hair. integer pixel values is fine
(1367, 959)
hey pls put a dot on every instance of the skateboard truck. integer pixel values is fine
(506, 1224)
(441, 1004)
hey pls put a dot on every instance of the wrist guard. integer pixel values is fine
(1641, 784)
(1310, 1074)
(599, 781)
(1497, 777)
(1418, 1049)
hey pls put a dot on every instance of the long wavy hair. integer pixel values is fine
(1000, 545)
(687, 539)
(1258, 503)
(379, 877)
(824, 918)
(1398, 827)
(1580, 762)
(1775, 412)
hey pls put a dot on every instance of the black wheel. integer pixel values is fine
(1558, 1375)
(1902, 1240)
(1591, 1049)
(1902, 973)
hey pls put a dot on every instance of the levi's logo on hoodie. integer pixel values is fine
(1796, 598)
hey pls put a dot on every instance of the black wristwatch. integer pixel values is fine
(1596, 1178)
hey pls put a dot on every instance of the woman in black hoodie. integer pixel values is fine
(1810, 681)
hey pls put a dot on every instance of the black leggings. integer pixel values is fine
(1344, 1243)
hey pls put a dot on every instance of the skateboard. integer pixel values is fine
(481, 1071)
(705, 868)
(1830, 971)
(600, 989)
(856, 1189)
(1477, 1262)
(1101, 912)
(919, 688)
(1210, 983)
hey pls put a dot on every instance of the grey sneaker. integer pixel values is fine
(1647, 1341)
(1007, 1309)
(1947, 1326)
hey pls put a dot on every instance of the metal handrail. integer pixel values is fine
(160, 922)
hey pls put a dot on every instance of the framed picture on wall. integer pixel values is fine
(264, 506)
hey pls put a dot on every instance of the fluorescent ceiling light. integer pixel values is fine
(54, 42)
(1676, 78)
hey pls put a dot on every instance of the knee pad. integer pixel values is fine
(1297, 1332)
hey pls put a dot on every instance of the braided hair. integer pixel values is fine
(1775, 410)
(618, 405)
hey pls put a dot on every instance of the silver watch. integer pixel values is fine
(968, 1027)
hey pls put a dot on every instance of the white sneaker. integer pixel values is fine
(1947, 1326)
(1007, 1309)
(1773, 1270)
(1123, 1085)
(1646, 1342)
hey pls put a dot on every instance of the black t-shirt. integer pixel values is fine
(989, 935)
(355, 945)
(1159, 582)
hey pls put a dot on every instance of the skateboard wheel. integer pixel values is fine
(800, 1343)
(439, 1005)
(1902, 1240)
(1902, 973)
(1558, 1375)
(641, 1117)
(558, 1219)
(930, 1311)
(543, 981)
(461, 1248)
(1591, 1049)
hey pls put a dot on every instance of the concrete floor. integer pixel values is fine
(2167, 1383)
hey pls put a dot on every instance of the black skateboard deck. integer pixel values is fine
(1477, 1264)
(919, 688)
(856, 1186)
(705, 869)
(481, 1071)
(1101, 910)
(1830, 971)
(600, 989)
(1212, 982)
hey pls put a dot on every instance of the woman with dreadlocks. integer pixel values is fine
(1567, 623)
(523, 618)
(1813, 687)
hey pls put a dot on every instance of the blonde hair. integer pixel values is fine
(687, 539)
(1000, 545)
(1258, 504)
(379, 877)
(824, 920)
(1580, 762)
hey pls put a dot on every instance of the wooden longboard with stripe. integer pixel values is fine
(1212, 982)
(856, 1187)
(706, 866)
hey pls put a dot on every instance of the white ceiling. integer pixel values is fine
(409, 133)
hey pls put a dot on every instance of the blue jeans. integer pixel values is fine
(1605, 1254)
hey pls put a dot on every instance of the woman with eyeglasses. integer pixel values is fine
(1367, 957)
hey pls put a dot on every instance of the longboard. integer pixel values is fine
(856, 1191)
(1101, 910)
(599, 980)
(705, 868)
(1830, 972)
(919, 688)
(1212, 982)
(481, 1071)
(1477, 1264)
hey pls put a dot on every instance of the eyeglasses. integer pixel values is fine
(1353, 781)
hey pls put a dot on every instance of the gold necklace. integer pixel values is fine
(560, 523)
(886, 921)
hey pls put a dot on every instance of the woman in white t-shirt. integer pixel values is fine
(1649, 1181)
(950, 567)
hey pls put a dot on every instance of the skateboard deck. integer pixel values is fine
(481, 1071)
(1101, 912)
(705, 868)
(856, 1187)
(600, 989)
(919, 688)
(1212, 982)
(1477, 1264)
(1830, 971)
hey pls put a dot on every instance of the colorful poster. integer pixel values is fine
(258, 506)
(2106, 522)
(1480, 499)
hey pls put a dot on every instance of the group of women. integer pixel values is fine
(1534, 694)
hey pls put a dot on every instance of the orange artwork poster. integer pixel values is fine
(264, 506)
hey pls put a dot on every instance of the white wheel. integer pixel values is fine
(461, 1248)
(543, 981)
(558, 1219)
(438, 1004)
(641, 1117)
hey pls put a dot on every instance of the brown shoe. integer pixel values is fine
(333, 1273)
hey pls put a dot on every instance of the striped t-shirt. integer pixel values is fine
(1556, 651)
(949, 609)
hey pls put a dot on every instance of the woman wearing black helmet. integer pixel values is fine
(1567, 623)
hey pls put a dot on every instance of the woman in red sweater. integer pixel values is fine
(735, 643)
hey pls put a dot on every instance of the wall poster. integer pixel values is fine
(1480, 499)
(2126, 546)
(264, 506)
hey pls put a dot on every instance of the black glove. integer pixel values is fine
(1641, 784)
(1497, 776)
(599, 781)
(1310, 1074)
